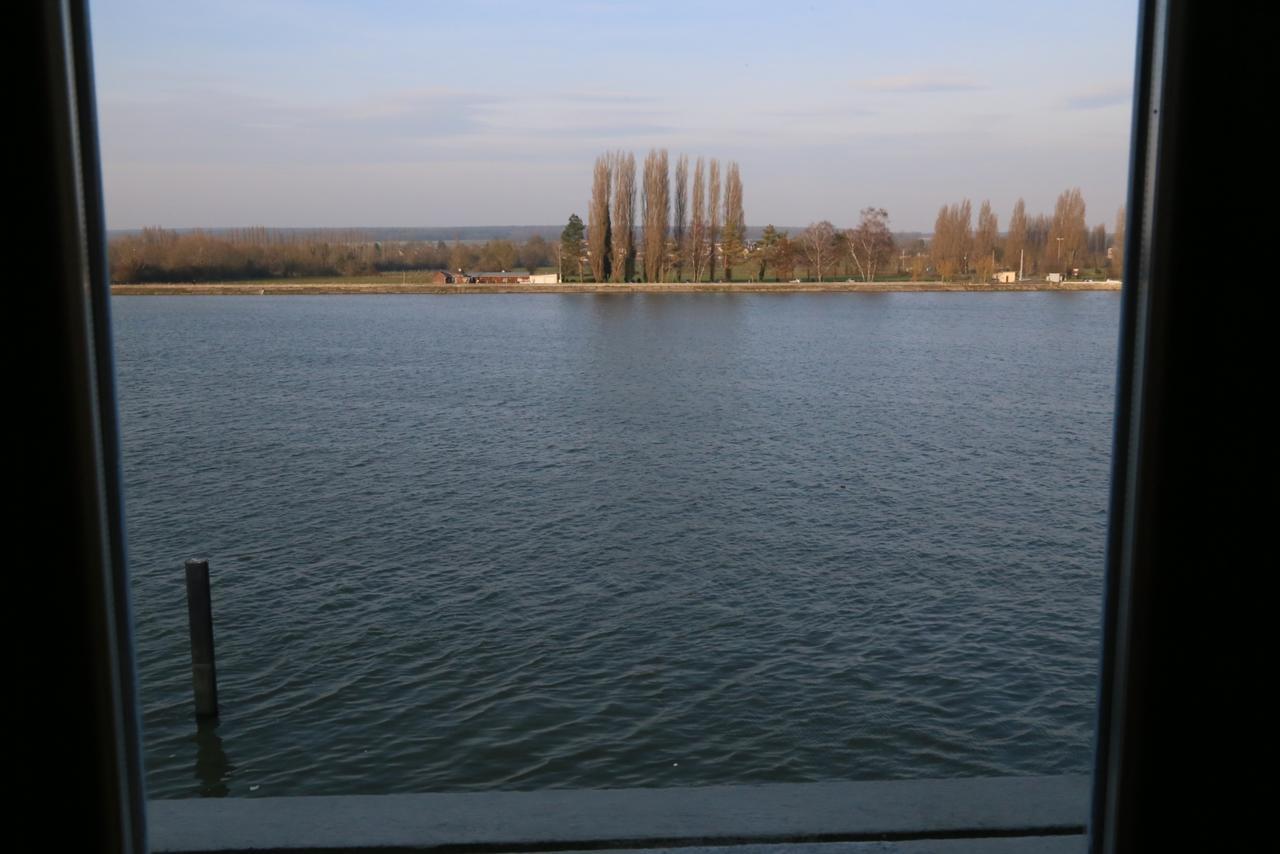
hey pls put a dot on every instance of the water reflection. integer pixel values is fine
(213, 769)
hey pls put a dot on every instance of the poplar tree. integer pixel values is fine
(1038, 228)
(698, 222)
(1015, 243)
(713, 214)
(681, 210)
(735, 229)
(984, 243)
(657, 213)
(600, 233)
(624, 217)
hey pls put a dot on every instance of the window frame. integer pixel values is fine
(83, 491)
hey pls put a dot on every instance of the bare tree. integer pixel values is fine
(1098, 246)
(818, 244)
(919, 262)
(952, 239)
(940, 244)
(536, 252)
(698, 222)
(681, 212)
(657, 211)
(1067, 233)
(713, 214)
(984, 243)
(871, 243)
(461, 256)
(964, 234)
(735, 229)
(498, 255)
(599, 230)
(1015, 243)
(842, 256)
(624, 217)
(1038, 228)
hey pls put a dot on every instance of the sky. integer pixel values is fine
(484, 112)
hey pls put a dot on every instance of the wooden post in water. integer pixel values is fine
(204, 677)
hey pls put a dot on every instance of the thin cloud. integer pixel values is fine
(921, 83)
(817, 112)
(604, 98)
(220, 127)
(1093, 99)
(608, 130)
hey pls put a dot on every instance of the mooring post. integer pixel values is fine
(204, 677)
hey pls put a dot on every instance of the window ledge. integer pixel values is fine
(961, 815)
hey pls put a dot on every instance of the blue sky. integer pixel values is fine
(476, 113)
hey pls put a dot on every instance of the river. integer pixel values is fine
(532, 541)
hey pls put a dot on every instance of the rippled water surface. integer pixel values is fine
(530, 541)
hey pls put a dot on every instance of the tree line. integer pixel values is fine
(673, 248)
(673, 225)
(1031, 246)
(164, 255)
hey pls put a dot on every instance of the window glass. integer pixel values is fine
(792, 469)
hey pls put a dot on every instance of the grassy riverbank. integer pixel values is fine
(356, 287)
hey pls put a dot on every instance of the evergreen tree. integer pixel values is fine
(766, 252)
(571, 245)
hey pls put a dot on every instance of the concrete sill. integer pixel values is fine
(1003, 814)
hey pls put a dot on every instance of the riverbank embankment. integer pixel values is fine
(285, 288)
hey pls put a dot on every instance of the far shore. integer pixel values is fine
(284, 288)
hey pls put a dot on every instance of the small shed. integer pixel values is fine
(1005, 277)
